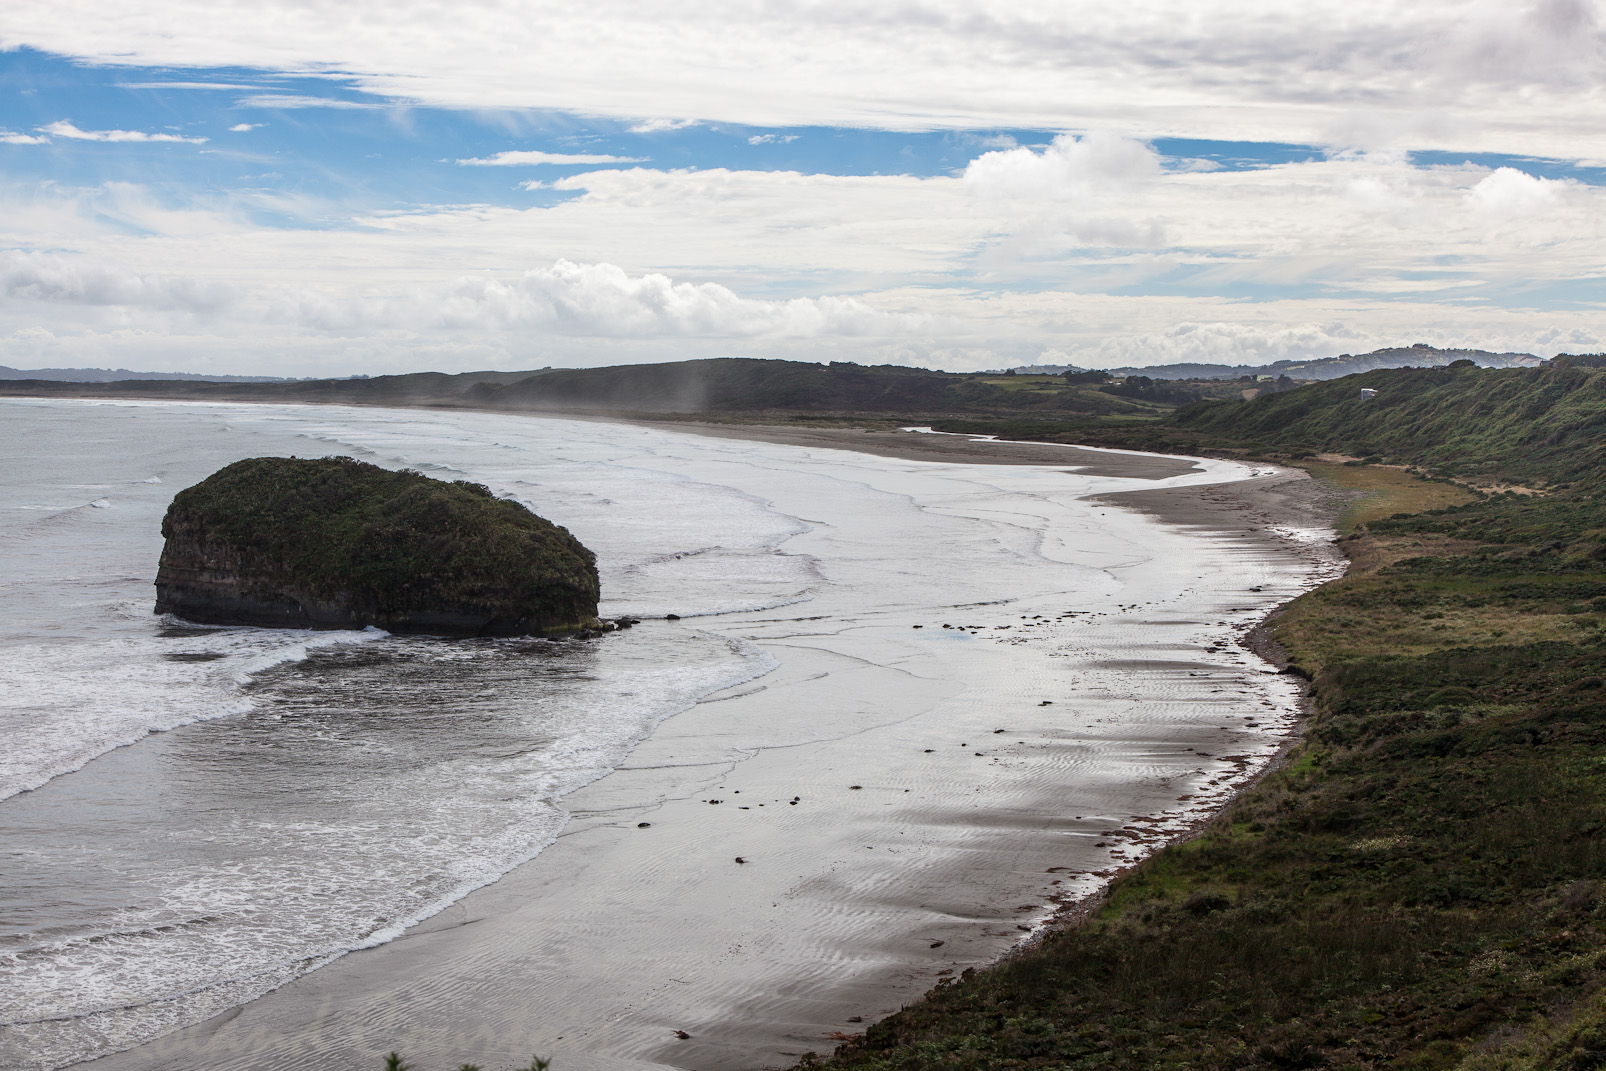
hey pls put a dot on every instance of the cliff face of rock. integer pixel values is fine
(337, 543)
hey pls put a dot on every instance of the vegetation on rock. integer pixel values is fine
(338, 542)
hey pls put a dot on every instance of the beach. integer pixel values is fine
(920, 780)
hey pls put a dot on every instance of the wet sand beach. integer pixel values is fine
(795, 857)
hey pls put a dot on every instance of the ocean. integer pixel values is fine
(191, 817)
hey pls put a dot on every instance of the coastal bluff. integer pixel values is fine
(335, 543)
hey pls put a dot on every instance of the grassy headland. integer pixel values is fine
(1423, 883)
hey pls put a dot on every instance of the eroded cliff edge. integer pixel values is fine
(339, 543)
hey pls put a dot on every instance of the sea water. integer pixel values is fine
(191, 817)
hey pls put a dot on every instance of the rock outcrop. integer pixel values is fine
(338, 543)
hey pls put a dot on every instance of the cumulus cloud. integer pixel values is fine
(1223, 342)
(8, 137)
(1069, 167)
(603, 300)
(66, 280)
(65, 129)
(1507, 193)
(534, 158)
(1255, 264)
(241, 128)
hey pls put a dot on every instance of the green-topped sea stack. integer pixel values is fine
(338, 543)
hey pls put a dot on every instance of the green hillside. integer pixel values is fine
(742, 385)
(724, 387)
(1546, 424)
(1516, 425)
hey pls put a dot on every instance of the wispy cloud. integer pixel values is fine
(65, 129)
(8, 137)
(532, 157)
(658, 126)
(294, 100)
(772, 139)
(188, 85)
(241, 128)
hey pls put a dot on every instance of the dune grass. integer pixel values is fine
(1385, 491)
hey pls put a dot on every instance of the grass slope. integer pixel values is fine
(716, 387)
(1542, 426)
(731, 384)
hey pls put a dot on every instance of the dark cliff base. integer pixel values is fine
(219, 604)
(339, 544)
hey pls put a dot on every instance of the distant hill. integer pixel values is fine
(1546, 424)
(733, 383)
(1044, 369)
(116, 375)
(1420, 355)
(414, 388)
(716, 385)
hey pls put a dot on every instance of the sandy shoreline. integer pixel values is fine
(961, 449)
(1288, 500)
(928, 839)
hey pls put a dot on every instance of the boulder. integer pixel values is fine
(336, 543)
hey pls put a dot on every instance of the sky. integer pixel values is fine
(285, 188)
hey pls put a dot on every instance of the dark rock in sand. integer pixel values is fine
(338, 543)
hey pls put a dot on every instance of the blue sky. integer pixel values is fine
(244, 188)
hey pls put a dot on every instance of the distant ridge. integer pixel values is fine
(122, 375)
(1420, 355)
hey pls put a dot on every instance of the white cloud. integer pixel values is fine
(241, 128)
(1507, 193)
(772, 139)
(185, 85)
(1069, 167)
(659, 126)
(1227, 342)
(82, 281)
(1319, 257)
(65, 129)
(282, 101)
(1467, 75)
(593, 301)
(7, 137)
(532, 157)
